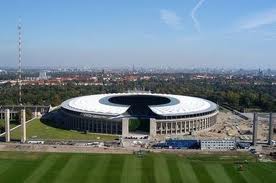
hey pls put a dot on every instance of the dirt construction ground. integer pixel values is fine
(230, 126)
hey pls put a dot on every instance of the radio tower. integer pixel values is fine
(19, 27)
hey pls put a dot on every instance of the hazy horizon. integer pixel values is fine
(177, 34)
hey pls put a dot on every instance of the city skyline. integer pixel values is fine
(190, 34)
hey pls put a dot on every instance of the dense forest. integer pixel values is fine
(257, 97)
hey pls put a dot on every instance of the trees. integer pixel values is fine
(56, 100)
(29, 114)
(245, 96)
(233, 98)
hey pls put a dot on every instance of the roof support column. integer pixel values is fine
(7, 125)
(125, 122)
(152, 127)
(255, 129)
(270, 129)
(23, 125)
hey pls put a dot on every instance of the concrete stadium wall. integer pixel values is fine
(185, 126)
(89, 124)
(119, 126)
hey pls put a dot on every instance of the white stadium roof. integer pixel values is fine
(178, 105)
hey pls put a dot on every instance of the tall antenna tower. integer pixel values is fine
(19, 28)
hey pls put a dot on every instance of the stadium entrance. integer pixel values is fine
(139, 126)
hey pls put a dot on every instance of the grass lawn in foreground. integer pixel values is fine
(38, 130)
(152, 168)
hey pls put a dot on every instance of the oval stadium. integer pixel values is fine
(138, 113)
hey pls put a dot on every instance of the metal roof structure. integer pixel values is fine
(100, 104)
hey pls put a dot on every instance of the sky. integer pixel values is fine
(146, 33)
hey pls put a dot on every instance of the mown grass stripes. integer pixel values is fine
(45, 165)
(51, 174)
(233, 173)
(97, 173)
(161, 171)
(132, 170)
(114, 169)
(201, 172)
(148, 170)
(186, 172)
(19, 171)
(106, 168)
(217, 173)
(173, 168)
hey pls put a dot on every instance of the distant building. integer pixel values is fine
(3, 72)
(43, 75)
(243, 145)
(178, 144)
(217, 144)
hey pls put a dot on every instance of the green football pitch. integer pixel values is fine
(106, 168)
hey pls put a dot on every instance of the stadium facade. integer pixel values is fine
(147, 113)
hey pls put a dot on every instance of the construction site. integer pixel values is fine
(231, 126)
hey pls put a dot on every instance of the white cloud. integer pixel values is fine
(170, 18)
(193, 12)
(261, 19)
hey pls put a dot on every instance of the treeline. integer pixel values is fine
(262, 97)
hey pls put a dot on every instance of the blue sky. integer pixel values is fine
(148, 33)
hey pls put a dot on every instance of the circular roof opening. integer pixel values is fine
(148, 100)
(120, 103)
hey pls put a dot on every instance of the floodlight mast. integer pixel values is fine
(19, 79)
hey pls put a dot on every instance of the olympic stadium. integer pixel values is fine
(145, 113)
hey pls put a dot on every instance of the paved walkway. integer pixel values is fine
(61, 148)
